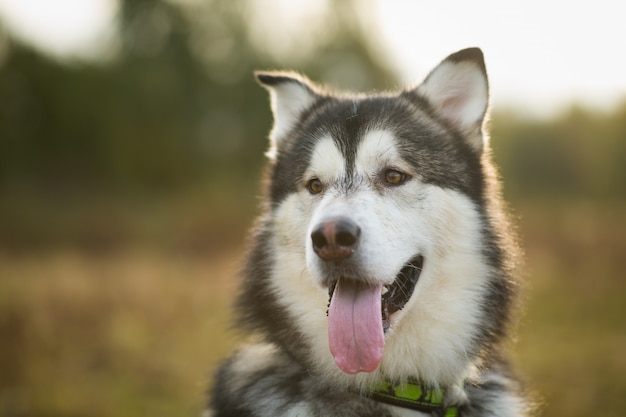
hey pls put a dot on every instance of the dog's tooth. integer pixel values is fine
(385, 289)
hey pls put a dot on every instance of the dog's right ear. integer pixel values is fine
(458, 91)
(291, 95)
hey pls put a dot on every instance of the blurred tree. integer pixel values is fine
(577, 156)
(177, 105)
(177, 109)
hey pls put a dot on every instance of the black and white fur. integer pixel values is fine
(447, 209)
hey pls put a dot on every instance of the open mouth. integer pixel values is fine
(397, 294)
(400, 291)
(359, 315)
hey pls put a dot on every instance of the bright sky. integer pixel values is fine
(61, 27)
(541, 54)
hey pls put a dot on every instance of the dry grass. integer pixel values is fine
(139, 332)
(572, 342)
(128, 335)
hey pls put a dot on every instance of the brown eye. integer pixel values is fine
(393, 177)
(314, 186)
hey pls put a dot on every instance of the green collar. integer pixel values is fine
(413, 395)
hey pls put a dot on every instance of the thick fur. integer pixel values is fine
(448, 209)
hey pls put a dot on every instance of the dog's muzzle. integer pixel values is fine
(359, 312)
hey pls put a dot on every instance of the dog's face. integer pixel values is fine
(376, 219)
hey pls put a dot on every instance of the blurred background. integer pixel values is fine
(131, 142)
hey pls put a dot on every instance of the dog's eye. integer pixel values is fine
(393, 177)
(314, 186)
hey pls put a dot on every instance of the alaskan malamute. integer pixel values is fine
(379, 280)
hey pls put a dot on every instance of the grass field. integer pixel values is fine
(138, 331)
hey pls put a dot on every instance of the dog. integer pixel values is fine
(381, 274)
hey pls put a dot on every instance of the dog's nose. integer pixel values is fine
(336, 239)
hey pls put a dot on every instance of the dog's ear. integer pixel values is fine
(290, 95)
(458, 90)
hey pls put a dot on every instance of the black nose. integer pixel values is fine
(335, 239)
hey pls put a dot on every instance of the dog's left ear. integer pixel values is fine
(458, 90)
(291, 94)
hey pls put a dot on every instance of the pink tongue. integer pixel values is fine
(355, 326)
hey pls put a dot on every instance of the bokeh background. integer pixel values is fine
(131, 141)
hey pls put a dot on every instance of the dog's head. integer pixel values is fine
(378, 220)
